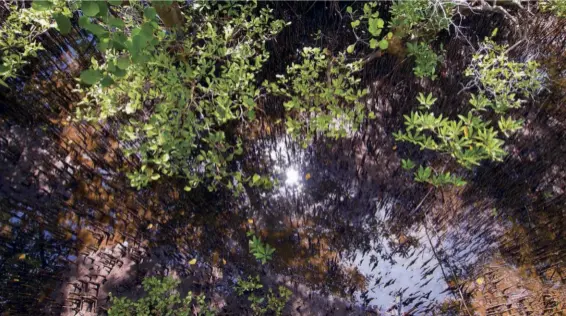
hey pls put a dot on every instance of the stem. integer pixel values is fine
(422, 201)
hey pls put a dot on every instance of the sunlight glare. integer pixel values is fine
(292, 176)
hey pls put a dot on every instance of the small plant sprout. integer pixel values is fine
(261, 251)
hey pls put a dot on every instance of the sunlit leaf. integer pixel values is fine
(89, 8)
(41, 5)
(123, 62)
(256, 178)
(373, 26)
(351, 48)
(373, 43)
(90, 76)
(150, 13)
(494, 32)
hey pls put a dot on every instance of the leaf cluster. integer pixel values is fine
(260, 250)
(275, 303)
(468, 139)
(161, 298)
(178, 93)
(20, 29)
(472, 138)
(502, 83)
(427, 175)
(322, 95)
(372, 24)
(557, 7)
(420, 18)
(425, 59)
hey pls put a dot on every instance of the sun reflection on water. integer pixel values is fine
(292, 176)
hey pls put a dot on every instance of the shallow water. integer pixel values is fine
(344, 236)
(345, 220)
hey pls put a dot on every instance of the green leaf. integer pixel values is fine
(256, 178)
(2, 82)
(90, 8)
(84, 21)
(107, 81)
(96, 29)
(251, 115)
(351, 48)
(355, 23)
(383, 44)
(371, 115)
(407, 164)
(116, 22)
(118, 45)
(91, 76)
(63, 23)
(111, 67)
(138, 58)
(373, 26)
(41, 5)
(150, 13)
(138, 43)
(115, 2)
(349, 9)
(367, 9)
(119, 40)
(123, 62)
(102, 9)
(373, 43)
(427, 172)
(494, 32)
(103, 44)
(147, 30)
